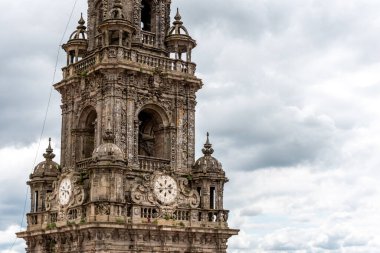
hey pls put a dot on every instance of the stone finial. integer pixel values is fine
(208, 150)
(49, 155)
(108, 136)
(81, 21)
(178, 16)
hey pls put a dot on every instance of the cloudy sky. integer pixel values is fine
(291, 98)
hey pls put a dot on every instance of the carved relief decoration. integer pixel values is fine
(77, 196)
(142, 192)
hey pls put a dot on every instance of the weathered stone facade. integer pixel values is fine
(128, 180)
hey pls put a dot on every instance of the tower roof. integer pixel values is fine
(178, 28)
(178, 36)
(80, 33)
(208, 163)
(47, 168)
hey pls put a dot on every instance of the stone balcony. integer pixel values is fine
(129, 58)
(139, 215)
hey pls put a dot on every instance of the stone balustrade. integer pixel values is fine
(148, 38)
(131, 57)
(82, 66)
(139, 214)
(147, 163)
(84, 163)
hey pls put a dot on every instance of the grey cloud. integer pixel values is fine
(253, 211)
(259, 134)
(353, 241)
(27, 60)
(330, 242)
(12, 203)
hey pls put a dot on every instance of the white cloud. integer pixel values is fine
(8, 242)
(17, 164)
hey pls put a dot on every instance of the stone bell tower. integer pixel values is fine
(128, 180)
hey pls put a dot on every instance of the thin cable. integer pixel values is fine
(46, 114)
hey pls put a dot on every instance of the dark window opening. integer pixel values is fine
(199, 190)
(147, 129)
(146, 16)
(212, 197)
(153, 139)
(71, 57)
(125, 39)
(113, 38)
(89, 135)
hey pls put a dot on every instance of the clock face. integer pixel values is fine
(165, 189)
(65, 190)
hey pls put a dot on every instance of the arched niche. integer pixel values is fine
(87, 133)
(153, 133)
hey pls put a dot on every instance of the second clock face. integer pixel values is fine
(165, 189)
(65, 190)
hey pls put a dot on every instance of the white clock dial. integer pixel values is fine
(65, 190)
(165, 189)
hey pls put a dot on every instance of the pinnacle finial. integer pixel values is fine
(81, 22)
(208, 150)
(49, 155)
(208, 140)
(178, 16)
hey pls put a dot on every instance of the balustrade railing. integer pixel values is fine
(181, 215)
(147, 163)
(84, 163)
(33, 219)
(82, 66)
(149, 212)
(126, 55)
(148, 38)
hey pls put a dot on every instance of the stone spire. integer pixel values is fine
(208, 150)
(178, 18)
(49, 155)
(81, 23)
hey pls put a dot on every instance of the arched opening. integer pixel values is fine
(146, 15)
(87, 133)
(153, 136)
